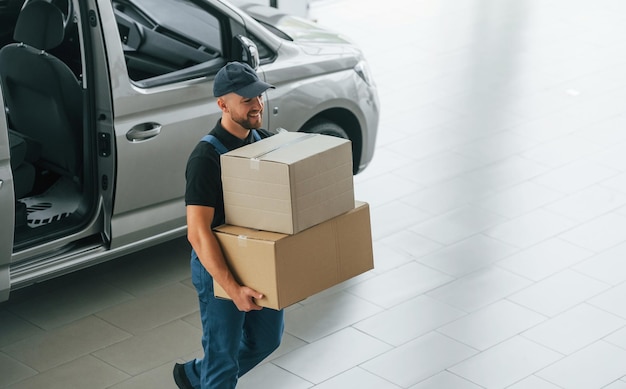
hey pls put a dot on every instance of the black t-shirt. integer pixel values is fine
(203, 173)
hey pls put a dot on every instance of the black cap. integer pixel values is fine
(239, 78)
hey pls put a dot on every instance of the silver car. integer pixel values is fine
(105, 99)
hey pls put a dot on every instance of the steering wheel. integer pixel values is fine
(66, 7)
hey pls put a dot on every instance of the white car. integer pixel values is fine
(105, 99)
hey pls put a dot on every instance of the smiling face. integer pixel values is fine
(241, 114)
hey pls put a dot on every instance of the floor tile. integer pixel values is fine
(531, 228)
(370, 189)
(619, 384)
(152, 309)
(64, 344)
(492, 325)
(598, 234)
(313, 321)
(557, 124)
(330, 356)
(387, 257)
(445, 380)
(504, 174)
(494, 148)
(519, 199)
(558, 293)
(430, 142)
(13, 371)
(271, 376)
(145, 274)
(595, 366)
(409, 320)
(588, 203)
(612, 300)
(385, 222)
(437, 168)
(506, 363)
(81, 298)
(15, 328)
(151, 348)
(617, 182)
(447, 196)
(605, 132)
(562, 151)
(575, 329)
(287, 345)
(612, 157)
(479, 289)
(399, 285)
(458, 224)
(357, 378)
(411, 243)
(157, 378)
(533, 382)
(545, 259)
(575, 176)
(467, 255)
(608, 266)
(618, 338)
(419, 359)
(385, 162)
(85, 372)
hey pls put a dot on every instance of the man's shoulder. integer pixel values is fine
(203, 150)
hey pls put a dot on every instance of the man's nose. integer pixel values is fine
(259, 101)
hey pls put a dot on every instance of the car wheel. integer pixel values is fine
(325, 127)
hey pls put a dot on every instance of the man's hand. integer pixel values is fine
(209, 252)
(244, 299)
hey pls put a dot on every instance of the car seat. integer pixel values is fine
(23, 171)
(42, 95)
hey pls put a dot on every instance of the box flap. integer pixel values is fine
(253, 150)
(287, 148)
(250, 233)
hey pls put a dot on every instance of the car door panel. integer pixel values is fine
(7, 207)
(155, 131)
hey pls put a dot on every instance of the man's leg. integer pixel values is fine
(222, 325)
(262, 333)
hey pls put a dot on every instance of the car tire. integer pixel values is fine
(325, 127)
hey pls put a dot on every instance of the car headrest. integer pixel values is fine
(40, 25)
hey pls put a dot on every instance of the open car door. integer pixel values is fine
(7, 207)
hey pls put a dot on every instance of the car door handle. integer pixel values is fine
(143, 131)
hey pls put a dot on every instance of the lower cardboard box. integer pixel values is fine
(289, 268)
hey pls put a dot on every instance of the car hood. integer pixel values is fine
(307, 34)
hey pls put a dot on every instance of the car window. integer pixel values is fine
(166, 40)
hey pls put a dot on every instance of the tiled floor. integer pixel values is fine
(498, 197)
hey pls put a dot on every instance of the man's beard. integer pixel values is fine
(248, 124)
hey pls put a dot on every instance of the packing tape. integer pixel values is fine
(242, 241)
(297, 140)
(255, 163)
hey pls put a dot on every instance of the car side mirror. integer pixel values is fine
(245, 50)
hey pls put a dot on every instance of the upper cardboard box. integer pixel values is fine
(288, 182)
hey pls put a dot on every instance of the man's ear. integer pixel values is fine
(222, 104)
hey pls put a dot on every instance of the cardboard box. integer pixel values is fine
(289, 268)
(288, 182)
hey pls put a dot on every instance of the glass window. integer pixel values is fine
(166, 41)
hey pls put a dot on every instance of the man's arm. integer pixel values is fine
(206, 246)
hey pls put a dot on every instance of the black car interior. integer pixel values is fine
(43, 100)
